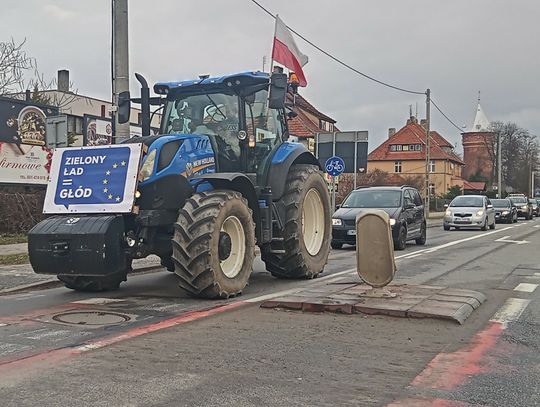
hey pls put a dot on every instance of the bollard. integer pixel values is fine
(374, 248)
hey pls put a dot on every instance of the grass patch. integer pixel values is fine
(11, 259)
(13, 238)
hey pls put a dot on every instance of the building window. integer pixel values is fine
(397, 166)
(405, 148)
(431, 189)
(451, 166)
(398, 147)
(432, 166)
(411, 147)
(418, 147)
(392, 147)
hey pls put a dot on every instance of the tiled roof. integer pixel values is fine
(414, 133)
(303, 104)
(475, 186)
(301, 126)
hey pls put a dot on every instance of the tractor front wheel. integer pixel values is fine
(303, 244)
(214, 244)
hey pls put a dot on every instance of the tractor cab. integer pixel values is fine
(234, 112)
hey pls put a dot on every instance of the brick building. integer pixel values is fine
(478, 143)
(404, 153)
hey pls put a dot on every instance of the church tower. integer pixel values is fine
(478, 148)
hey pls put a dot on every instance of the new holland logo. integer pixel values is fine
(189, 169)
(71, 221)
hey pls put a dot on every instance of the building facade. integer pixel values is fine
(478, 149)
(404, 153)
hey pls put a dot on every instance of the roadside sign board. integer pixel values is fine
(93, 179)
(334, 166)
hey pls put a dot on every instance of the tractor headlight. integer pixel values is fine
(336, 222)
(392, 222)
(147, 168)
(480, 212)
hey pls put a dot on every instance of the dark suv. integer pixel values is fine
(403, 204)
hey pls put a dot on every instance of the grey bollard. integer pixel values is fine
(374, 248)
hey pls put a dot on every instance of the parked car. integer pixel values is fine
(403, 204)
(469, 211)
(535, 207)
(505, 210)
(524, 208)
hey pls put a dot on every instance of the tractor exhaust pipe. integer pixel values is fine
(145, 104)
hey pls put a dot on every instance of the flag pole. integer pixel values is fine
(273, 43)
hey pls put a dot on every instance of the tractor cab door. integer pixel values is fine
(265, 128)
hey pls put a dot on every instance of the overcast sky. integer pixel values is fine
(454, 47)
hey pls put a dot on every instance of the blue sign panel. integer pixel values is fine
(92, 176)
(334, 166)
(93, 179)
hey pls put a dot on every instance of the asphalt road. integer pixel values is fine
(171, 350)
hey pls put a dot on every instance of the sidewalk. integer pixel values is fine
(22, 277)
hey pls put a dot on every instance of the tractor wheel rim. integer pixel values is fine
(232, 265)
(313, 221)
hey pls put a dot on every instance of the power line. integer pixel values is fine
(446, 117)
(338, 60)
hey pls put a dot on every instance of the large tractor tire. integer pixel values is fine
(214, 244)
(304, 242)
(109, 282)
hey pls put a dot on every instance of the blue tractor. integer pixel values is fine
(219, 179)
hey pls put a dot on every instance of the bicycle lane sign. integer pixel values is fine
(334, 166)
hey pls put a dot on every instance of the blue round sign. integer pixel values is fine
(334, 166)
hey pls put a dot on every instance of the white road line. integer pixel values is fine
(536, 226)
(293, 290)
(510, 311)
(537, 274)
(505, 239)
(1, 324)
(526, 287)
(98, 301)
(455, 242)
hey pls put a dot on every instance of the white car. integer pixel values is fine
(469, 211)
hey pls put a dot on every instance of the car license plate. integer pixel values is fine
(462, 220)
(351, 232)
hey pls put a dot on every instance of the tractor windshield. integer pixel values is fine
(211, 114)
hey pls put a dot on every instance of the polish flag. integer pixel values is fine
(286, 52)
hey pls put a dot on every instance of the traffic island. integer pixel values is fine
(411, 301)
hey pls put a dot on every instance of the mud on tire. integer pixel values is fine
(300, 258)
(214, 244)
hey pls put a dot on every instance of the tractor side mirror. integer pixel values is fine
(278, 91)
(124, 107)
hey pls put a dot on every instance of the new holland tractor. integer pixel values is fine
(219, 179)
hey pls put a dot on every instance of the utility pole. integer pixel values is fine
(120, 63)
(499, 166)
(428, 118)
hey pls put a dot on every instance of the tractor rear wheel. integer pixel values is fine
(214, 244)
(304, 245)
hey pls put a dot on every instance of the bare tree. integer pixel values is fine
(14, 63)
(519, 154)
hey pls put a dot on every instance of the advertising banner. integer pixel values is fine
(93, 179)
(23, 164)
(23, 122)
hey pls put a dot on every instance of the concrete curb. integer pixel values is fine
(46, 284)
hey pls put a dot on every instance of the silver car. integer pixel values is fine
(469, 211)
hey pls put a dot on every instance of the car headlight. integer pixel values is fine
(392, 222)
(448, 212)
(480, 212)
(147, 168)
(524, 207)
(337, 222)
(505, 213)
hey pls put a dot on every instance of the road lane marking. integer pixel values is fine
(505, 239)
(455, 242)
(98, 301)
(526, 287)
(1, 324)
(510, 311)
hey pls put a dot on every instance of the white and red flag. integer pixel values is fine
(286, 52)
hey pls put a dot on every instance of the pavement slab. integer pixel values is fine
(412, 301)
